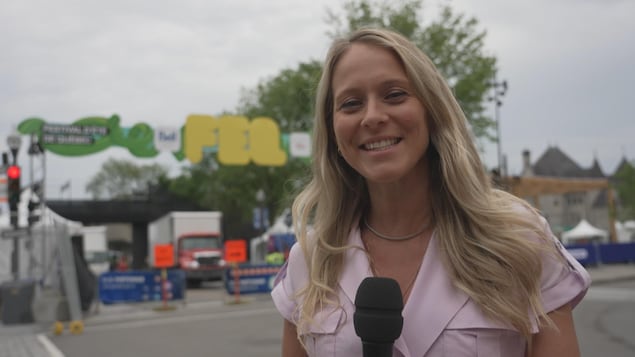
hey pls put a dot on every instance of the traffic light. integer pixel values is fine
(13, 191)
(34, 216)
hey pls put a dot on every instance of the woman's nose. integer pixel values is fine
(374, 113)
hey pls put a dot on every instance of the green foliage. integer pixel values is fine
(232, 190)
(288, 97)
(401, 17)
(625, 187)
(123, 179)
(453, 42)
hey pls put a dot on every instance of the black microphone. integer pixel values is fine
(377, 318)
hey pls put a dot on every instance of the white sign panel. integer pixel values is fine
(299, 144)
(167, 138)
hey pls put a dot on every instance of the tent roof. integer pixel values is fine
(629, 224)
(584, 229)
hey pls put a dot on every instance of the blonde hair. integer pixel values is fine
(483, 238)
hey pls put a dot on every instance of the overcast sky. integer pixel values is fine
(569, 65)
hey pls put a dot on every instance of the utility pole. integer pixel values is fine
(14, 141)
(499, 90)
(36, 201)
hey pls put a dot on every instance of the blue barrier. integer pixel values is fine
(586, 254)
(605, 253)
(282, 242)
(617, 253)
(139, 286)
(257, 278)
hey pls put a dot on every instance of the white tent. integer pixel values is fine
(630, 225)
(625, 231)
(258, 246)
(584, 230)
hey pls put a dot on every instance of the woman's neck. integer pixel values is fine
(398, 206)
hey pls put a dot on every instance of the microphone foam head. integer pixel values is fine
(378, 306)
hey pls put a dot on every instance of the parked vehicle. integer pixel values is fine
(95, 243)
(197, 241)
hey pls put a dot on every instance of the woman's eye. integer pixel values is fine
(349, 104)
(395, 95)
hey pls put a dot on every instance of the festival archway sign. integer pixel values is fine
(236, 140)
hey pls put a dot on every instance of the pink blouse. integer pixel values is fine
(439, 319)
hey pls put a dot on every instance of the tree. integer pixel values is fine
(625, 186)
(123, 179)
(287, 97)
(232, 190)
(453, 42)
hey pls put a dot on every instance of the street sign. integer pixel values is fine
(163, 256)
(13, 233)
(236, 251)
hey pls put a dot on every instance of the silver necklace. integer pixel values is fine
(395, 238)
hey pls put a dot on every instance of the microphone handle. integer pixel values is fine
(375, 349)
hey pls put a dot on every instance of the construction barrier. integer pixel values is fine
(603, 253)
(140, 286)
(250, 279)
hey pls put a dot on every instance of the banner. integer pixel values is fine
(235, 140)
(140, 286)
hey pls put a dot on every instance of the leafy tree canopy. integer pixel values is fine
(124, 179)
(232, 190)
(453, 42)
(625, 187)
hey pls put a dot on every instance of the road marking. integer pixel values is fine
(610, 294)
(52, 350)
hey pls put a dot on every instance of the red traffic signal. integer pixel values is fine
(13, 188)
(13, 172)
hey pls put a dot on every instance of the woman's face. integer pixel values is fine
(380, 125)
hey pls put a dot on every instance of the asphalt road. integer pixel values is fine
(605, 324)
(605, 321)
(250, 329)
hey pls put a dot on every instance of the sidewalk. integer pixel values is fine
(609, 273)
(29, 340)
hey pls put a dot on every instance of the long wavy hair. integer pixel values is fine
(482, 237)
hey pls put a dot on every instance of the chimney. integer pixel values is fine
(527, 169)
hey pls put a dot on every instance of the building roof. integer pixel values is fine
(555, 163)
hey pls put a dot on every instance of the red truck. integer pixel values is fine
(197, 243)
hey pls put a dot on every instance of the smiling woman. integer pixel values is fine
(379, 123)
(398, 191)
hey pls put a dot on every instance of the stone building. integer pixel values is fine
(564, 211)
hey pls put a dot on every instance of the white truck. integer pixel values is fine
(197, 241)
(95, 244)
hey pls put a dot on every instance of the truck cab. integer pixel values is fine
(197, 241)
(200, 255)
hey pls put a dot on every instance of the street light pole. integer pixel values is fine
(260, 198)
(499, 90)
(13, 142)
